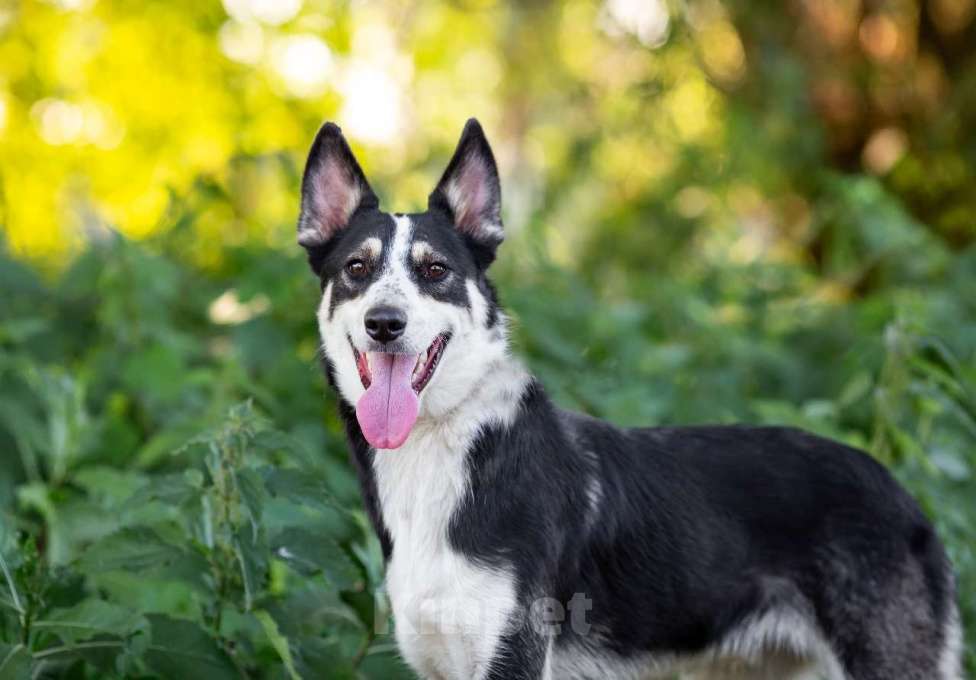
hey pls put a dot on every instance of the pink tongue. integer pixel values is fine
(388, 409)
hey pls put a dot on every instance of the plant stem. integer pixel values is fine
(70, 648)
(9, 656)
(10, 584)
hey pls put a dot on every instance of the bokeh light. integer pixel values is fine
(271, 12)
(648, 20)
(242, 41)
(124, 108)
(372, 103)
(303, 62)
(59, 122)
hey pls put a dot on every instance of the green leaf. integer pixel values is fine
(182, 649)
(41, 498)
(370, 553)
(309, 553)
(314, 655)
(951, 464)
(15, 662)
(157, 369)
(131, 549)
(170, 441)
(251, 558)
(7, 571)
(19, 330)
(313, 606)
(300, 487)
(174, 490)
(273, 444)
(176, 590)
(383, 662)
(252, 494)
(90, 618)
(111, 484)
(278, 641)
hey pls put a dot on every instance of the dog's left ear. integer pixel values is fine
(333, 188)
(470, 193)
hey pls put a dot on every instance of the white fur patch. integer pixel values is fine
(593, 488)
(372, 247)
(450, 612)
(583, 664)
(780, 645)
(594, 497)
(950, 660)
(778, 632)
(421, 250)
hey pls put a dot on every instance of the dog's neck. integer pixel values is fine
(493, 400)
(420, 485)
(417, 486)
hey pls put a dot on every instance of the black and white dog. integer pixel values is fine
(523, 541)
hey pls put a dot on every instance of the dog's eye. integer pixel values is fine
(434, 271)
(356, 269)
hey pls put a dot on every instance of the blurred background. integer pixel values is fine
(716, 211)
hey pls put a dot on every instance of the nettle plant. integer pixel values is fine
(240, 566)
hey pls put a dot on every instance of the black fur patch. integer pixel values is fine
(364, 224)
(361, 455)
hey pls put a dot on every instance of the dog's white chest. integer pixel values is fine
(449, 613)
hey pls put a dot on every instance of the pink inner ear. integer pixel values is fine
(468, 195)
(335, 195)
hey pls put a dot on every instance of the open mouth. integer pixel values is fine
(423, 370)
(388, 409)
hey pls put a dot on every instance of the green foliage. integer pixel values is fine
(154, 524)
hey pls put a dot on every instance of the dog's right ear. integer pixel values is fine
(333, 188)
(470, 194)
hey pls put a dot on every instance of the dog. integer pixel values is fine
(526, 542)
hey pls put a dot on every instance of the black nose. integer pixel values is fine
(385, 324)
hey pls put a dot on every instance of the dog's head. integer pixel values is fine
(408, 318)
